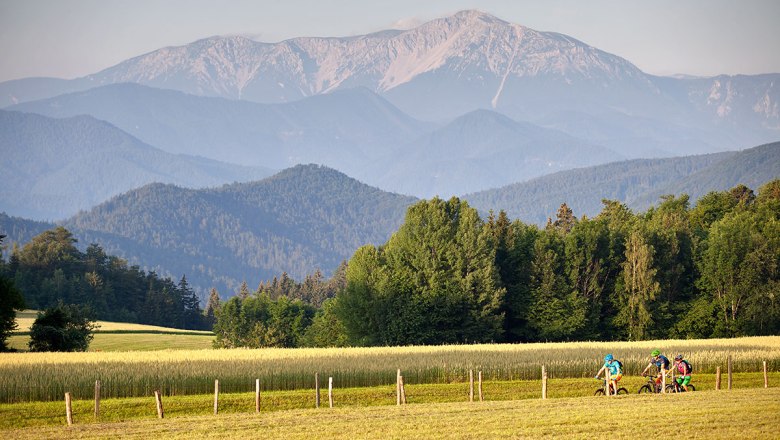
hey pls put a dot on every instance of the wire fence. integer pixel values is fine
(31, 385)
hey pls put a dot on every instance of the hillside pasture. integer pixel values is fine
(25, 319)
(122, 336)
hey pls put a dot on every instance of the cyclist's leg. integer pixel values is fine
(686, 380)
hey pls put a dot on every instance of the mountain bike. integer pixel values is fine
(600, 391)
(675, 387)
(651, 386)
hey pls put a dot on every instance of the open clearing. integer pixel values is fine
(123, 336)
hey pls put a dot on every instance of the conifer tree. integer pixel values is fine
(243, 292)
(212, 306)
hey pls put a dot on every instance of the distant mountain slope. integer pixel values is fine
(303, 218)
(355, 131)
(480, 150)
(752, 167)
(19, 230)
(54, 167)
(342, 130)
(583, 189)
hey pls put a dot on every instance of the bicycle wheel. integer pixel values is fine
(599, 392)
(622, 390)
(670, 389)
(645, 389)
(691, 387)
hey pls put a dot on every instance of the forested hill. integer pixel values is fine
(301, 219)
(752, 167)
(637, 183)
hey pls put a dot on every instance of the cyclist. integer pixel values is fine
(684, 369)
(661, 362)
(615, 370)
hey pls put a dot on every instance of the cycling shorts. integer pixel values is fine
(685, 380)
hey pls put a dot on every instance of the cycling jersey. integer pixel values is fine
(682, 368)
(614, 369)
(662, 361)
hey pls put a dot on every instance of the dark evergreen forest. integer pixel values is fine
(50, 269)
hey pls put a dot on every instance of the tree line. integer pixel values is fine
(447, 276)
(50, 270)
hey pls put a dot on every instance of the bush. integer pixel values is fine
(62, 328)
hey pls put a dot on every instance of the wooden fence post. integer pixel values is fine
(316, 390)
(216, 395)
(398, 387)
(481, 399)
(606, 383)
(717, 379)
(68, 409)
(766, 378)
(257, 396)
(544, 382)
(330, 391)
(663, 381)
(471, 385)
(97, 399)
(158, 399)
(729, 368)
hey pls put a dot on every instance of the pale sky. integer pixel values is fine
(72, 38)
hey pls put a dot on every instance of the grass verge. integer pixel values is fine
(747, 413)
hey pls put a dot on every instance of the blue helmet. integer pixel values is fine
(608, 358)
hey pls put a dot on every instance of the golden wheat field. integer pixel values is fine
(46, 376)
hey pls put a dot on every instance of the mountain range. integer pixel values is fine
(410, 111)
(448, 67)
(354, 130)
(165, 158)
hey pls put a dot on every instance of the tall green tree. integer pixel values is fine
(587, 250)
(435, 281)
(11, 301)
(212, 306)
(326, 329)
(638, 288)
(361, 305)
(670, 235)
(557, 312)
(739, 267)
(514, 243)
(231, 328)
(444, 258)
